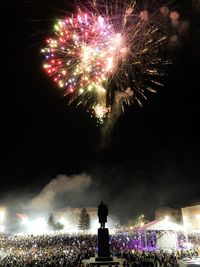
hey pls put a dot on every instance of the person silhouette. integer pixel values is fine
(102, 214)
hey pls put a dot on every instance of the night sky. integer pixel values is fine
(152, 159)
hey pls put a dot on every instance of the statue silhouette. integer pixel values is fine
(103, 235)
(102, 214)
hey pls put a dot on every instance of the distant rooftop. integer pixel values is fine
(192, 206)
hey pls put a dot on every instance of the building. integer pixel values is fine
(191, 217)
(173, 215)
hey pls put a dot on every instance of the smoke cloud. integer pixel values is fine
(123, 187)
(58, 186)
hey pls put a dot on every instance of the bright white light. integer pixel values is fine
(63, 221)
(69, 227)
(2, 215)
(188, 225)
(109, 64)
(166, 218)
(2, 228)
(94, 226)
(119, 44)
(101, 21)
(37, 226)
(100, 111)
(25, 221)
(117, 40)
(87, 53)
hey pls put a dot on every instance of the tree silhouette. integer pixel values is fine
(56, 226)
(51, 221)
(84, 222)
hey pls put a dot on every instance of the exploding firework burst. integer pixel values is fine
(108, 53)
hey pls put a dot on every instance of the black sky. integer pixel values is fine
(154, 150)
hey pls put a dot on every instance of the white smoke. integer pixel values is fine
(59, 185)
(120, 98)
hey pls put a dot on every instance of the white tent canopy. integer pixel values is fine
(162, 225)
(166, 240)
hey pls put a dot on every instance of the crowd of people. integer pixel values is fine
(45, 250)
(64, 250)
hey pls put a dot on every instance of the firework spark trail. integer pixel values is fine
(104, 51)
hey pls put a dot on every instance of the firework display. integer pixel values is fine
(107, 53)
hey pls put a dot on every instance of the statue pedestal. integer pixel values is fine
(103, 245)
(116, 262)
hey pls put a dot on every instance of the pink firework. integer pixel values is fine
(113, 46)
